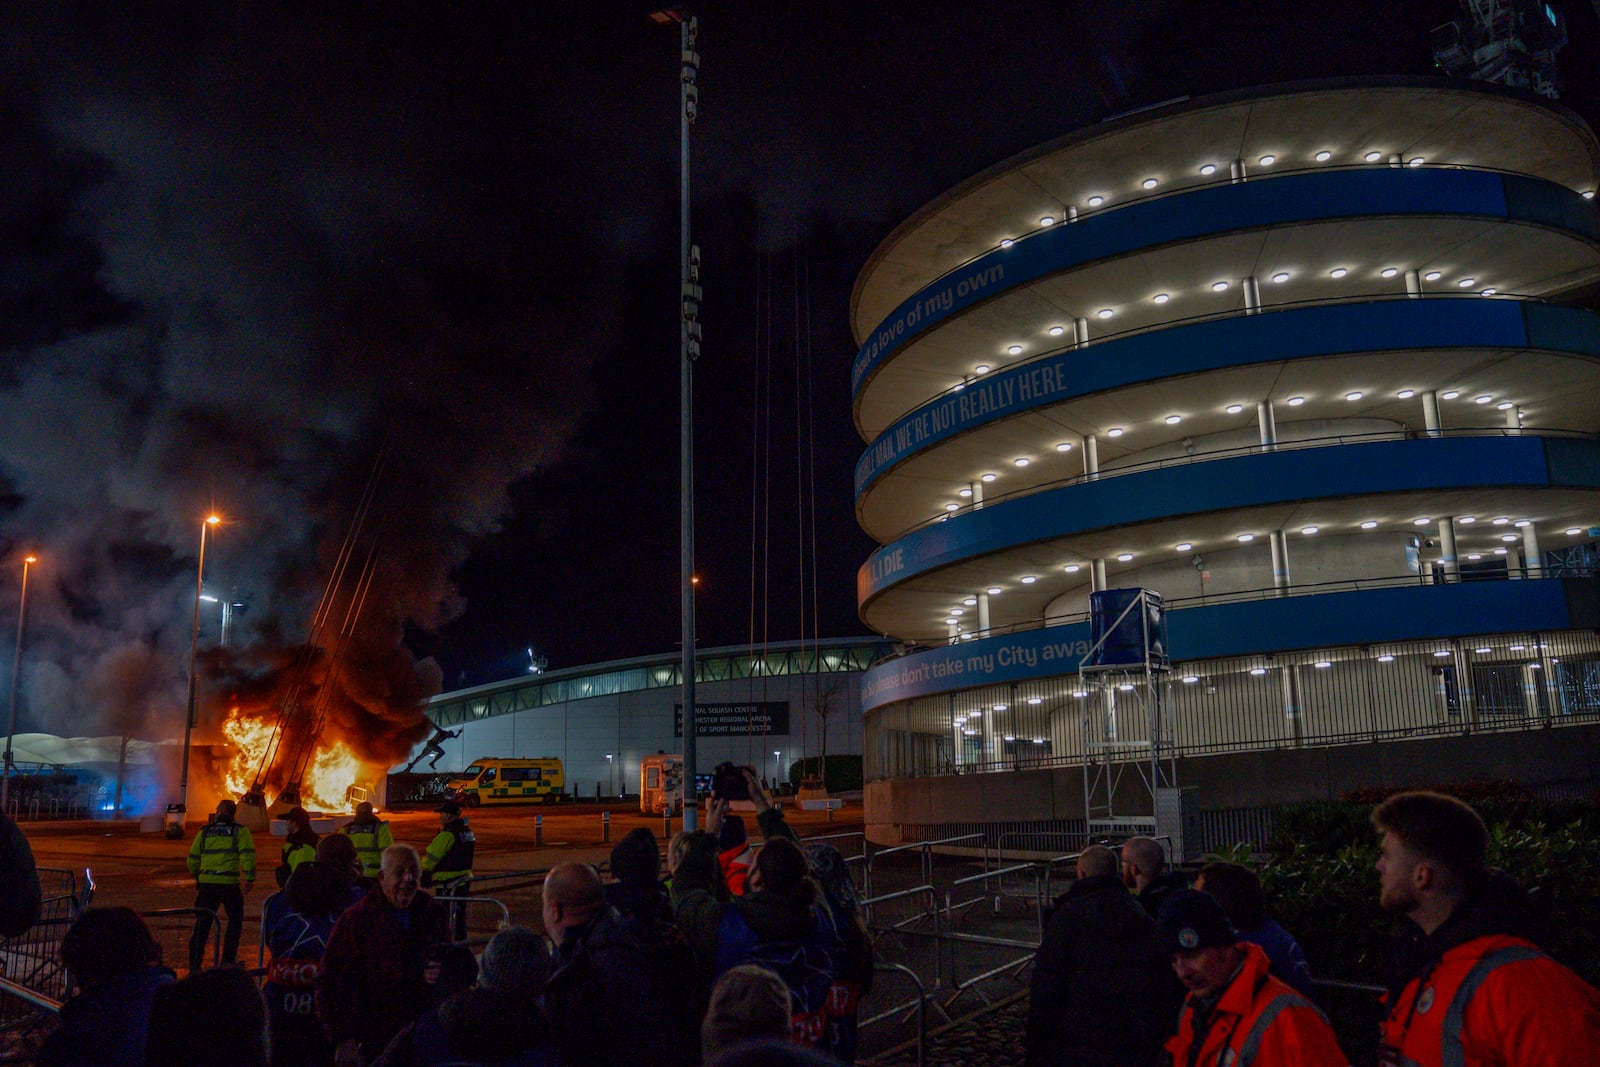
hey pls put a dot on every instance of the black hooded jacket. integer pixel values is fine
(1101, 991)
(1500, 906)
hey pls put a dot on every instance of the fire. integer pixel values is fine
(333, 768)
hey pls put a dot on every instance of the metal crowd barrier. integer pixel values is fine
(902, 1011)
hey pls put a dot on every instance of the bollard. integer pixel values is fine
(538, 831)
(830, 812)
(666, 822)
(605, 827)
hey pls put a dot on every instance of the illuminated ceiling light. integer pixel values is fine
(1211, 168)
(993, 590)
(1574, 531)
(1354, 394)
(1467, 520)
(1125, 687)
(1441, 653)
(1000, 707)
(1449, 394)
(1007, 243)
(1246, 538)
(952, 507)
(1080, 693)
(1500, 551)
(1258, 671)
(1534, 665)
(1015, 350)
(1388, 272)
(1504, 405)
(1267, 160)
(1501, 521)
(1021, 461)
(1422, 521)
(1125, 557)
(1482, 399)
(1013, 737)
(1308, 531)
(1036, 700)
(1488, 292)
(965, 492)
(982, 368)
(1105, 313)
(949, 622)
(1234, 409)
(1323, 156)
(1281, 277)
(1149, 183)
(1508, 537)
(1183, 546)
(1467, 283)
(1406, 394)
(1415, 161)
(1028, 579)
(1217, 287)
(1588, 194)
(1322, 664)
(956, 388)
(1115, 431)
(958, 611)
(1190, 679)
(1518, 648)
(1096, 201)
(1370, 524)
(1064, 446)
(1296, 401)
(960, 720)
(1337, 272)
(1432, 276)
(1385, 658)
(1473, 556)
(1057, 331)
(1047, 220)
(1372, 157)
(1072, 568)
(1173, 420)
(971, 601)
(1520, 523)
(987, 478)
(1161, 298)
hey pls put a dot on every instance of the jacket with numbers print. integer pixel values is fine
(1257, 1022)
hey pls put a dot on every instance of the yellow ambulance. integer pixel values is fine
(509, 781)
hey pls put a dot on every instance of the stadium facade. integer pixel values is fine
(1318, 364)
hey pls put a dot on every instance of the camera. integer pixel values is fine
(727, 782)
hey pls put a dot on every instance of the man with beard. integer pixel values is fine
(1469, 985)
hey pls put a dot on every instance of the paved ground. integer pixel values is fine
(988, 1038)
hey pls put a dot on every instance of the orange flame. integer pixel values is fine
(330, 773)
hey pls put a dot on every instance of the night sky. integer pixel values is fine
(248, 250)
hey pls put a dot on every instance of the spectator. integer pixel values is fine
(637, 890)
(115, 964)
(222, 861)
(1238, 890)
(771, 1053)
(372, 981)
(300, 846)
(336, 862)
(853, 979)
(212, 1019)
(20, 898)
(734, 853)
(605, 960)
(447, 866)
(1468, 984)
(371, 836)
(1236, 1013)
(496, 1024)
(1144, 864)
(748, 1003)
(1101, 990)
(296, 926)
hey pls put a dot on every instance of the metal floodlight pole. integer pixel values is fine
(194, 649)
(16, 676)
(689, 350)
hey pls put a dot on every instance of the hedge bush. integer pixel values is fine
(841, 773)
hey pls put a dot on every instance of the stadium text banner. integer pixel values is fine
(735, 720)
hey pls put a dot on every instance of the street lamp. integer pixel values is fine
(175, 826)
(16, 675)
(777, 767)
(610, 781)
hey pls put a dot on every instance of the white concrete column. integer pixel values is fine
(1447, 548)
(1531, 557)
(1513, 563)
(1091, 458)
(983, 613)
(1413, 284)
(1268, 421)
(1280, 563)
(1292, 707)
(1072, 214)
(954, 631)
(1514, 419)
(977, 493)
(1236, 171)
(1080, 332)
(1252, 295)
(1097, 575)
(1396, 161)
(1430, 413)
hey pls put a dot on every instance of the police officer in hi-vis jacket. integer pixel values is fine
(222, 861)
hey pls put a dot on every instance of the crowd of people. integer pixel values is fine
(1136, 966)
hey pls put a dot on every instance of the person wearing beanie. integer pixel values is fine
(1236, 1013)
(299, 847)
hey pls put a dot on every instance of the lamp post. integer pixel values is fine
(16, 676)
(610, 781)
(777, 767)
(188, 720)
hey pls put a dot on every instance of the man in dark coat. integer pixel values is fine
(1144, 870)
(617, 995)
(372, 981)
(1101, 991)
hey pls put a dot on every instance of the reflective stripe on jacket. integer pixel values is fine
(221, 852)
(450, 852)
(370, 839)
(1495, 1000)
(1257, 1020)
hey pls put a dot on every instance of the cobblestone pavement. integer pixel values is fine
(989, 1038)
